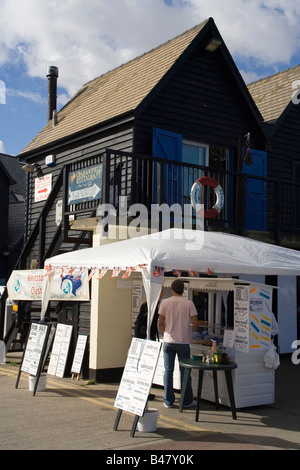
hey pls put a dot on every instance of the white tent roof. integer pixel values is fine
(187, 250)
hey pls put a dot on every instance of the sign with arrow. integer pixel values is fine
(85, 184)
(42, 188)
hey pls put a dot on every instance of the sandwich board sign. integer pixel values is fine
(60, 350)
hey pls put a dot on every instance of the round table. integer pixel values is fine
(189, 364)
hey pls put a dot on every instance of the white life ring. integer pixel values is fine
(196, 191)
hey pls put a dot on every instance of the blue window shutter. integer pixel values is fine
(256, 191)
(167, 145)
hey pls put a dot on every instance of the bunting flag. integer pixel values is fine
(93, 270)
(128, 272)
(102, 273)
(81, 271)
(177, 272)
(158, 271)
(193, 274)
(49, 270)
(116, 272)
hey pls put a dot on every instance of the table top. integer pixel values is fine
(196, 364)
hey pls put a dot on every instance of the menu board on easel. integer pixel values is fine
(60, 350)
(79, 353)
(138, 376)
(35, 348)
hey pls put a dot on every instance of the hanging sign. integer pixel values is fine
(85, 184)
(64, 285)
(138, 376)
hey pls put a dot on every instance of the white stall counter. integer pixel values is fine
(253, 383)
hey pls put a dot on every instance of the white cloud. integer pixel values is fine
(35, 97)
(86, 39)
(264, 30)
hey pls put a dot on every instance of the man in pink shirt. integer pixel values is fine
(175, 315)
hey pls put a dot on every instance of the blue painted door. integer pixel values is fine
(256, 210)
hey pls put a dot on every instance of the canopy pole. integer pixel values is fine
(152, 286)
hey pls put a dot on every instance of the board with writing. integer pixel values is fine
(79, 353)
(138, 376)
(60, 350)
(35, 347)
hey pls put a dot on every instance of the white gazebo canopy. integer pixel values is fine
(183, 250)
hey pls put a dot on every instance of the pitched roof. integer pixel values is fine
(273, 94)
(115, 93)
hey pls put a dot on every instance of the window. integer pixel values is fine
(194, 153)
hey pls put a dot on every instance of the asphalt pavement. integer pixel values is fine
(75, 415)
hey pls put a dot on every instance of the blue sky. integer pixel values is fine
(88, 38)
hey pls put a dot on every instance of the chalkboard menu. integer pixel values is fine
(138, 376)
(60, 350)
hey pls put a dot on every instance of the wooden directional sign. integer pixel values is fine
(85, 184)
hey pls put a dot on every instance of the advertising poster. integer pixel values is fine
(252, 317)
(137, 298)
(260, 317)
(138, 376)
(67, 285)
(241, 318)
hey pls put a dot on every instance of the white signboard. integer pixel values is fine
(138, 376)
(28, 285)
(60, 349)
(34, 348)
(42, 188)
(79, 353)
(241, 318)
(137, 298)
(260, 316)
(252, 317)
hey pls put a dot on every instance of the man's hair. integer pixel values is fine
(178, 286)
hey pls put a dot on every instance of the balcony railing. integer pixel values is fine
(274, 209)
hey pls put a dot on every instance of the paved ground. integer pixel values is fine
(71, 415)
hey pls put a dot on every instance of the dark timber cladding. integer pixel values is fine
(202, 102)
(121, 141)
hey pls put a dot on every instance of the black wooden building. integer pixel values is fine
(157, 124)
